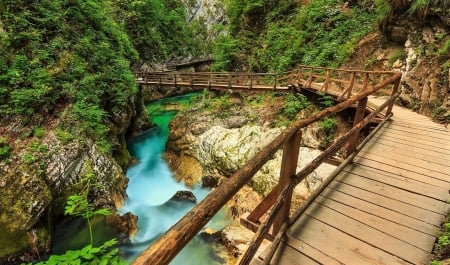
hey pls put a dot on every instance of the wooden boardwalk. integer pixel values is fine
(385, 208)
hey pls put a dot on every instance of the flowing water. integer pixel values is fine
(150, 187)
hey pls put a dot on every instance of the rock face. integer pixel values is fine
(221, 145)
(419, 48)
(43, 170)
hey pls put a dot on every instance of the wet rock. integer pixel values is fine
(184, 195)
(209, 181)
(125, 225)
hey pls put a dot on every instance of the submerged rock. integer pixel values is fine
(184, 195)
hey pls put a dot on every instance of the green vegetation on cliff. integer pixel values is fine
(66, 70)
(278, 35)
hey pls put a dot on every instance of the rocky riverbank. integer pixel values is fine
(220, 133)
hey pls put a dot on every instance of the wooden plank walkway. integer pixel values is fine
(385, 208)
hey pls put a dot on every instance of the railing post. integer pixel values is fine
(299, 75)
(394, 91)
(229, 80)
(288, 169)
(251, 82)
(275, 83)
(366, 81)
(359, 115)
(175, 79)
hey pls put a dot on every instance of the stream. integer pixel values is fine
(150, 187)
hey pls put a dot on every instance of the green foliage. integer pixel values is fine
(157, 28)
(224, 53)
(102, 255)
(107, 253)
(445, 49)
(77, 205)
(38, 132)
(328, 126)
(294, 103)
(5, 149)
(442, 246)
(64, 136)
(62, 52)
(326, 100)
(278, 35)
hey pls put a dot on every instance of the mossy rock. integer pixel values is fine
(26, 196)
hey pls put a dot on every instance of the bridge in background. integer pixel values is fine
(384, 203)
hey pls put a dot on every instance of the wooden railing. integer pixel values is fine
(340, 83)
(277, 203)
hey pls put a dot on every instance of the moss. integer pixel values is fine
(26, 196)
(122, 155)
(12, 243)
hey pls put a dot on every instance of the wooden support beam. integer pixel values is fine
(288, 169)
(359, 115)
(264, 228)
(394, 91)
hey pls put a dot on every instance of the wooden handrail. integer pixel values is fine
(164, 249)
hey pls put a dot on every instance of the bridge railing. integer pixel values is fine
(277, 203)
(340, 83)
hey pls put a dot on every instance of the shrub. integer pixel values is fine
(328, 126)
(294, 103)
(5, 149)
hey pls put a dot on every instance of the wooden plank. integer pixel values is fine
(433, 128)
(391, 146)
(412, 122)
(408, 235)
(417, 141)
(287, 254)
(384, 147)
(393, 193)
(442, 135)
(417, 133)
(339, 245)
(395, 211)
(381, 161)
(437, 151)
(310, 252)
(400, 171)
(370, 235)
(404, 184)
(442, 143)
(394, 172)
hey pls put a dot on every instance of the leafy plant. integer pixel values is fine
(102, 255)
(78, 206)
(64, 136)
(326, 100)
(5, 149)
(294, 103)
(445, 49)
(38, 132)
(328, 126)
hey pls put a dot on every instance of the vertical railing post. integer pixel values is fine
(251, 82)
(175, 79)
(299, 75)
(366, 81)
(359, 115)
(275, 81)
(394, 91)
(288, 169)
(350, 86)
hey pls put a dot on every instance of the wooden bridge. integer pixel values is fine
(383, 204)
